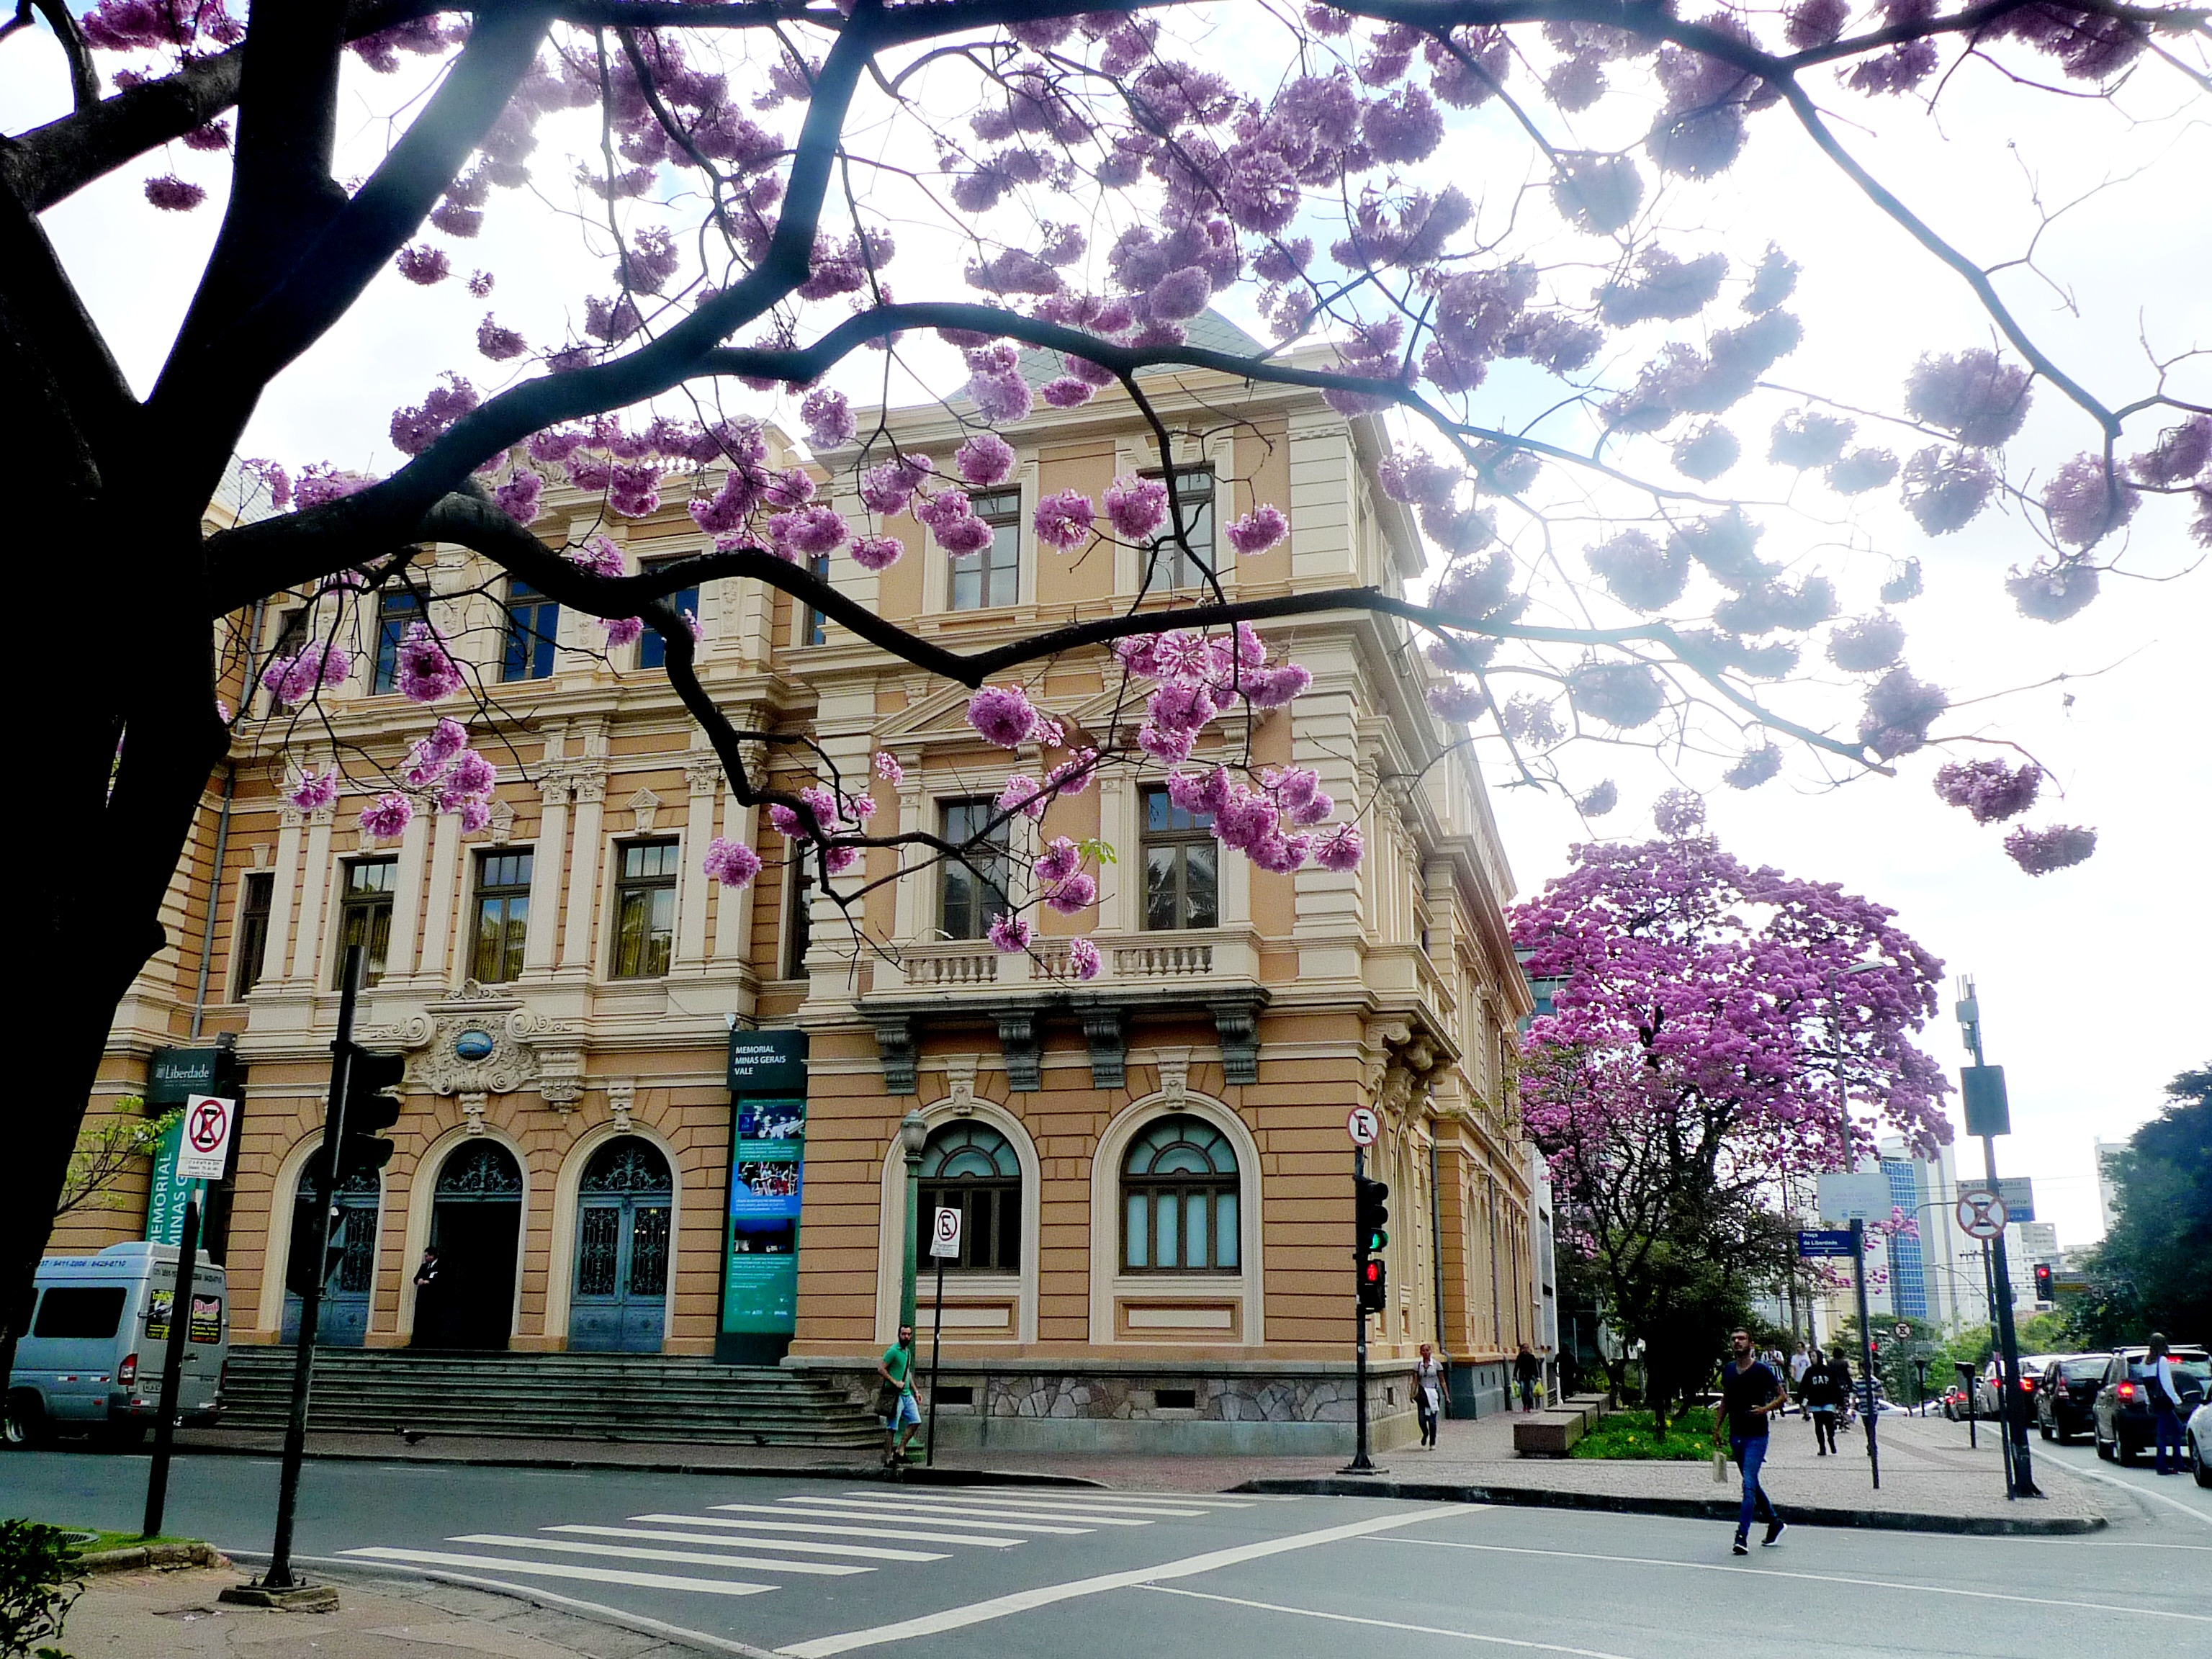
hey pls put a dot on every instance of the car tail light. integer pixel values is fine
(126, 1374)
(2027, 1385)
(2126, 1391)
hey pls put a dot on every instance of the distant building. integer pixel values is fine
(1934, 1276)
(2108, 1190)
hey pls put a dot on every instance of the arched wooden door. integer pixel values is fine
(619, 1299)
(476, 1227)
(343, 1321)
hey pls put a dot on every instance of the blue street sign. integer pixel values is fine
(1824, 1241)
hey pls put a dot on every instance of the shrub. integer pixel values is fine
(40, 1581)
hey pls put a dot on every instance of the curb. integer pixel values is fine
(152, 1555)
(914, 1475)
(1686, 1509)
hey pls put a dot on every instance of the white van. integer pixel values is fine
(91, 1361)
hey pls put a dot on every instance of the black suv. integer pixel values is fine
(2122, 1424)
(2066, 1395)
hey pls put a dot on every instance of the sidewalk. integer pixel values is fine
(176, 1614)
(1928, 1483)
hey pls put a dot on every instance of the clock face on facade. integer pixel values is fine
(473, 1045)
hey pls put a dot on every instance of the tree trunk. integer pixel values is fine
(132, 737)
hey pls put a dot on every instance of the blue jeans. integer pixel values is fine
(1750, 1453)
(2166, 1426)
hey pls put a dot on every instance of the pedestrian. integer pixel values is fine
(2165, 1404)
(429, 1301)
(1428, 1393)
(1824, 1401)
(895, 1398)
(1799, 1363)
(1527, 1368)
(1750, 1393)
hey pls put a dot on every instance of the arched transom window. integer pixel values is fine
(1179, 1200)
(971, 1168)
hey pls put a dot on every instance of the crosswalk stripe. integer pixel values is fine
(558, 1569)
(1047, 1508)
(846, 1508)
(631, 1552)
(828, 1531)
(982, 1512)
(859, 1552)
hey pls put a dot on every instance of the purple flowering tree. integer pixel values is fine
(1083, 181)
(1718, 1036)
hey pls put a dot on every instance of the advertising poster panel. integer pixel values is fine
(768, 1143)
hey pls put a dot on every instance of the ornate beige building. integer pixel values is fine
(1152, 1166)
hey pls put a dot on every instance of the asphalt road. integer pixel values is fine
(814, 1568)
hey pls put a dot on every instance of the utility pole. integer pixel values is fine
(1989, 1115)
(1866, 1350)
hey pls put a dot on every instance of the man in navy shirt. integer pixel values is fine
(1750, 1393)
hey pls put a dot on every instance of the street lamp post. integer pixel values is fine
(913, 1136)
(1988, 1117)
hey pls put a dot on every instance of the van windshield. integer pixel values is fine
(79, 1311)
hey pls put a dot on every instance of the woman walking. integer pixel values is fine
(1428, 1393)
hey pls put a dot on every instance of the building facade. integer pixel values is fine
(1152, 1166)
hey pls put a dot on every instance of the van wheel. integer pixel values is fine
(24, 1423)
(2124, 1452)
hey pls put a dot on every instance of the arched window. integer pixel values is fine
(1179, 1200)
(970, 1167)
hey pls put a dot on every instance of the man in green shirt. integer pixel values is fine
(904, 1417)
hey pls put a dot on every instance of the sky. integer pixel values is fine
(2094, 981)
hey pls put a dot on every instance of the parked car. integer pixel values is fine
(1954, 1403)
(90, 1360)
(2066, 1395)
(2196, 1443)
(2122, 1426)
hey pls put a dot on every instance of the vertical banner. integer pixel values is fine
(768, 1144)
(165, 1197)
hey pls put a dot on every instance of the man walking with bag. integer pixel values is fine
(1750, 1393)
(895, 1398)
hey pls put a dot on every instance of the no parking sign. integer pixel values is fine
(204, 1151)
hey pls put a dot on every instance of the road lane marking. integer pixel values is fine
(840, 1508)
(859, 1552)
(829, 1531)
(1045, 1508)
(1002, 1606)
(1387, 1624)
(1810, 1578)
(2189, 1509)
(632, 1553)
(551, 1569)
(1106, 1500)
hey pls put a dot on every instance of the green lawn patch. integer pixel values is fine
(1631, 1435)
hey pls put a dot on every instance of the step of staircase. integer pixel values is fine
(609, 1397)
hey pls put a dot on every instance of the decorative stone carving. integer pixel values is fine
(960, 1083)
(478, 1044)
(703, 773)
(501, 826)
(590, 787)
(1236, 1020)
(646, 805)
(895, 1043)
(553, 788)
(472, 1108)
(1024, 1052)
(1109, 1055)
(1174, 1065)
(622, 1094)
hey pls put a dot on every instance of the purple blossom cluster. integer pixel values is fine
(292, 679)
(425, 670)
(1990, 789)
(732, 862)
(2061, 847)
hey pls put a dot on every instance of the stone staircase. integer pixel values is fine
(550, 1396)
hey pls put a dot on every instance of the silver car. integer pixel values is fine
(2197, 1443)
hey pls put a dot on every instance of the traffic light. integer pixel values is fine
(299, 1276)
(369, 1107)
(2043, 1289)
(1371, 1219)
